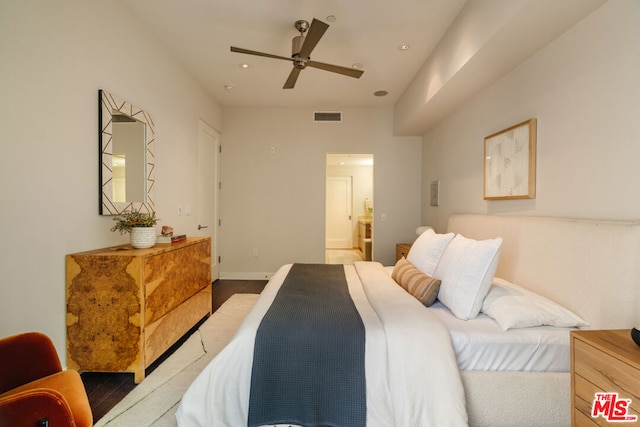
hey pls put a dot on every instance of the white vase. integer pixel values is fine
(143, 237)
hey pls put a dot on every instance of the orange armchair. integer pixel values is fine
(34, 390)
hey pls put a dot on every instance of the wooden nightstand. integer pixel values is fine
(603, 361)
(402, 249)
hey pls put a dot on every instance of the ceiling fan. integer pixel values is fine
(301, 49)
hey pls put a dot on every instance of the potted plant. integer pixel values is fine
(141, 226)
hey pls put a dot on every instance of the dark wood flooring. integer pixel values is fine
(105, 390)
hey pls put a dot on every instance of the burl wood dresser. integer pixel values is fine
(125, 306)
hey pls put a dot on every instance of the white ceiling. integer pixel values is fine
(200, 32)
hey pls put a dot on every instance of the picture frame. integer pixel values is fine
(510, 162)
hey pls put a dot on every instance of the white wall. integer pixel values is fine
(275, 203)
(56, 55)
(583, 89)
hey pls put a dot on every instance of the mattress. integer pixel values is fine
(481, 345)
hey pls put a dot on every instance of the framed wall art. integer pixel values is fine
(510, 163)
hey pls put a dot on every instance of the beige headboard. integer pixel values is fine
(591, 267)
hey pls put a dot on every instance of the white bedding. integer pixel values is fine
(481, 345)
(412, 374)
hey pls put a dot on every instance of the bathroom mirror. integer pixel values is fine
(127, 137)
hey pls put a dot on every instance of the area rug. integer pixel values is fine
(155, 400)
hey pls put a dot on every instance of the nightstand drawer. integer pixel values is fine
(583, 420)
(608, 373)
(584, 394)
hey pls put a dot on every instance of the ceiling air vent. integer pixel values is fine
(327, 116)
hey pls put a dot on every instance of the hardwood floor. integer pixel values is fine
(105, 390)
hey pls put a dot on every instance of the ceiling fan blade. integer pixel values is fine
(351, 72)
(293, 77)
(253, 52)
(316, 31)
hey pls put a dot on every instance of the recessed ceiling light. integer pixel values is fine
(229, 87)
(404, 47)
(381, 93)
(331, 18)
(245, 65)
(357, 66)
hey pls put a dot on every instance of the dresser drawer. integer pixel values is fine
(173, 277)
(164, 332)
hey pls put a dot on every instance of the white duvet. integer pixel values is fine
(411, 370)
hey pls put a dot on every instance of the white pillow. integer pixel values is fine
(512, 306)
(466, 270)
(427, 250)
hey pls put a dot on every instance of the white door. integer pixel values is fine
(208, 178)
(339, 234)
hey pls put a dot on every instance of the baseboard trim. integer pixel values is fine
(245, 275)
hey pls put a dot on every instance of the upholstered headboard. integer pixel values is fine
(591, 267)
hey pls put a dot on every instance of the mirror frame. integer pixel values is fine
(108, 106)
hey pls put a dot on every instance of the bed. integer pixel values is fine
(556, 258)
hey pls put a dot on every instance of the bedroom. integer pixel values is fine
(582, 87)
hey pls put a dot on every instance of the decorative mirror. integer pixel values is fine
(126, 156)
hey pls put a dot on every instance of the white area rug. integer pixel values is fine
(155, 400)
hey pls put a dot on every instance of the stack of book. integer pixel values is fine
(171, 239)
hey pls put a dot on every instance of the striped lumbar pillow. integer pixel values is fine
(424, 288)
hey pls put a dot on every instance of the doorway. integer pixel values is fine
(208, 178)
(349, 207)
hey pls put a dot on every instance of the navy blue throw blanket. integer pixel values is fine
(308, 361)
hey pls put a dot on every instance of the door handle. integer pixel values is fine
(200, 227)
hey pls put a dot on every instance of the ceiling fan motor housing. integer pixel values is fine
(300, 62)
